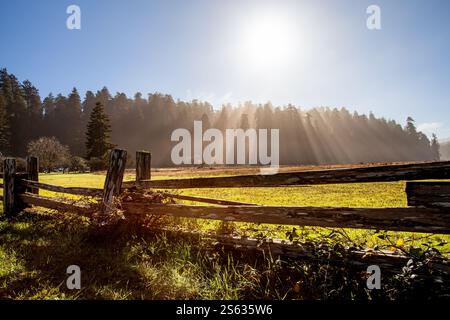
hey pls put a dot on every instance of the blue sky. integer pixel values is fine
(199, 49)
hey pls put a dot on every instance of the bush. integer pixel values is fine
(97, 164)
(78, 164)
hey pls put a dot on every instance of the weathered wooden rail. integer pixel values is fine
(431, 220)
(55, 204)
(90, 192)
(429, 194)
(418, 171)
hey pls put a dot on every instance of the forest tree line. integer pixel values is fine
(316, 136)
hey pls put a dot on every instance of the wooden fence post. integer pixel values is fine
(143, 165)
(10, 204)
(114, 177)
(33, 172)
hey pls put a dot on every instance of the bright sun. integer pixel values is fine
(268, 41)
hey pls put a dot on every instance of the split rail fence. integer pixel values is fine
(428, 208)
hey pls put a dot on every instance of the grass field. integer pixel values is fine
(35, 252)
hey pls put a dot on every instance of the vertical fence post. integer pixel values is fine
(114, 177)
(143, 165)
(33, 172)
(9, 187)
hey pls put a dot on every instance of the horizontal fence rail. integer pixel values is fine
(430, 220)
(55, 204)
(420, 171)
(91, 192)
(428, 194)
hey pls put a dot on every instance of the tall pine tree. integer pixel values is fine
(435, 148)
(73, 132)
(5, 133)
(98, 130)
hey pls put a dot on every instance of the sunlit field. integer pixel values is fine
(34, 251)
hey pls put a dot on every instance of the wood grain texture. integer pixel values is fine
(418, 171)
(114, 177)
(10, 205)
(143, 165)
(429, 220)
(33, 173)
(56, 204)
(428, 194)
(90, 192)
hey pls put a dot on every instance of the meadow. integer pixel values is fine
(35, 249)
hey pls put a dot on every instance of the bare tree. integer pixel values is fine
(51, 153)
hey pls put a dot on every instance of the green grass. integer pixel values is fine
(34, 252)
(389, 194)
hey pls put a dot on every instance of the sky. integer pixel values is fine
(307, 53)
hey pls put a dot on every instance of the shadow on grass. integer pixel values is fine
(45, 248)
(128, 261)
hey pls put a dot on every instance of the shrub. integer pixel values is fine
(78, 164)
(97, 164)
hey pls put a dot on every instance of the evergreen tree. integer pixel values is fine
(244, 122)
(435, 148)
(16, 112)
(98, 130)
(5, 134)
(206, 124)
(73, 132)
(33, 109)
(88, 103)
(411, 127)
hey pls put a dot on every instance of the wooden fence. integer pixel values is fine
(428, 212)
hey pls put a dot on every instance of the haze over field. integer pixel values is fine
(315, 136)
